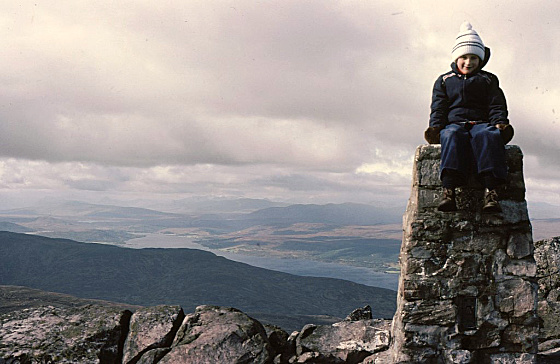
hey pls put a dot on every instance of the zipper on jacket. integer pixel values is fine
(463, 86)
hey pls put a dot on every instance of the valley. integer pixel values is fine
(348, 241)
(346, 234)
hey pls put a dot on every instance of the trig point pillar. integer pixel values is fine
(467, 291)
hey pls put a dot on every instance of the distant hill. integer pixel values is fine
(87, 210)
(330, 214)
(239, 205)
(545, 228)
(337, 214)
(543, 210)
(15, 228)
(216, 216)
(74, 216)
(196, 205)
(176, 276)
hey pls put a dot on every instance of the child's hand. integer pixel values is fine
(432, 134)
(506, 131)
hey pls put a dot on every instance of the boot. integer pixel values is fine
(491, 204)
(448, 203)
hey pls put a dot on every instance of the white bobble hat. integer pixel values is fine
(467, 42)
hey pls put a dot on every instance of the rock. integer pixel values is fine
(151, 328)
(547, 256)
(458, 356)
(282, 347)
(383, 357)
(89, 334)
(358, 314)
(550, 356)
(511, 358)
(343, 342)
(310, 358)
(153, 356)
(519, 246)
(219, 335)
(516, 297)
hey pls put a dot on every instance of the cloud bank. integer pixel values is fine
(299, 101)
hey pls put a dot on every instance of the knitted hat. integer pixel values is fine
(467, 42)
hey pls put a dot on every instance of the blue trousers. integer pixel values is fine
(478, 150)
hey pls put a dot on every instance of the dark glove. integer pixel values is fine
(432, 134)
(506, 131)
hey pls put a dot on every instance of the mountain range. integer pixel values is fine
(348, 234)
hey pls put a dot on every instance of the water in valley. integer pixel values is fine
(301, 267)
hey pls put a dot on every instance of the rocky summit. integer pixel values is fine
(473, 288)
(164, 334)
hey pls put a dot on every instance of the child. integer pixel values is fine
(469, 117)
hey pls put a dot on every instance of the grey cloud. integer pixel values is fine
(91, 185)
(309, 87)
(292, 61)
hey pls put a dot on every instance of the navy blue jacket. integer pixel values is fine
(474, 97)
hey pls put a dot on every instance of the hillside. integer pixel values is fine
(177, 276)
(14, 298)
(10, 226)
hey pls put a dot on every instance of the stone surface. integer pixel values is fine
(467, 290)
(282, 345)
(219, 335)
(519, 246)
(163, 334)
(359, 314)
(547, 256)
(153, 356)
(511, 358)
(88, 334)
(383, 357)
(343, 342)
(151, 328)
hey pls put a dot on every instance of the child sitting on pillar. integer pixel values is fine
(469, 117)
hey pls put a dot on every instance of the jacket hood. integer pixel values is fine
(482, 64)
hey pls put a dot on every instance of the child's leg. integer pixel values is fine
(456, 151)
(450, 178)
(488, 180)
(489, 151)
(456, 158)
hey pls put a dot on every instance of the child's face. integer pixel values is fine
(468, 63)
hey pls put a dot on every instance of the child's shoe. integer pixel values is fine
(491, 204)
(448, 203)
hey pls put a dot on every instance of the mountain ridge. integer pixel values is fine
(187, 277)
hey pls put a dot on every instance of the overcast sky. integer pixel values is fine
(297, 101)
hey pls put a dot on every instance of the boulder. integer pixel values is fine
(219, 335)
(88, 334)
(151, 328)
(343, 342)
(282, 345)
(358, 314)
